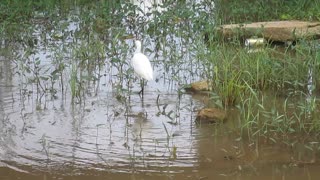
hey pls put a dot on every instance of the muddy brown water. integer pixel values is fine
(107, 136)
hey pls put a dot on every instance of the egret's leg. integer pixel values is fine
(142, 86)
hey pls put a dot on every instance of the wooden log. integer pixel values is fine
(280, 31)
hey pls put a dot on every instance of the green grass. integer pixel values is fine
(233, 11)
(240, 79)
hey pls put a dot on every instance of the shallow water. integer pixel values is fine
(109, 131)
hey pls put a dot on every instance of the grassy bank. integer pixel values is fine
(240, 79)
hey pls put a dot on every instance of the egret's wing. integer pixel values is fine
(142, 66)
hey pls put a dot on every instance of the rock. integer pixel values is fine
(198, 86)
(211, 115)
(281, 31)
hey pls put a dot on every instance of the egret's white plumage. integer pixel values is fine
(141, 64)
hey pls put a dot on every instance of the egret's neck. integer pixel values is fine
(138, 50)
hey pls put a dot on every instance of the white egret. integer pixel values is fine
(141, 65)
